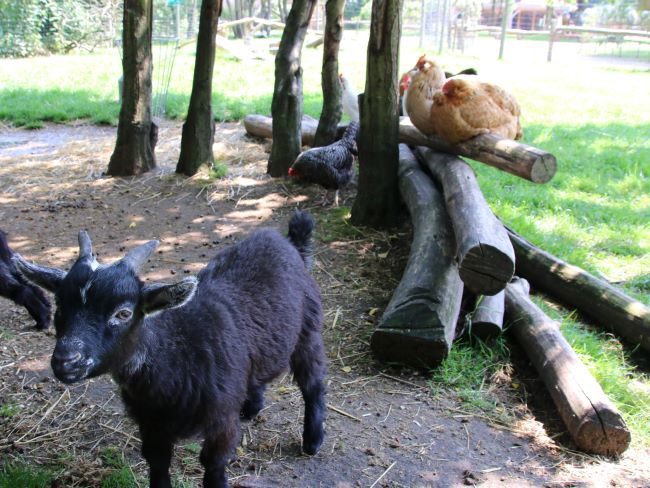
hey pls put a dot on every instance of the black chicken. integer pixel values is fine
(329, 166)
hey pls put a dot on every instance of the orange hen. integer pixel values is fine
(465, 107)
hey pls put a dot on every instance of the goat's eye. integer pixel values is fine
(123, 314)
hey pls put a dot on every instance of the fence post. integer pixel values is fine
(505, 20)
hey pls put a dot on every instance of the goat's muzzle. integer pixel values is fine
(69, 362)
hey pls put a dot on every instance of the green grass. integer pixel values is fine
(468, 371)
(8, 410)
(594, 213)
(24, 476)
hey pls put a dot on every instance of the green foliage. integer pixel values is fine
(31, 27)
(21, 475)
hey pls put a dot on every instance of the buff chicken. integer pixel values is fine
(426, 78)
(465, 107)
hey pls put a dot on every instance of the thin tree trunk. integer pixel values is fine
(286, 107)
(198, 129)
(136, 133)
(332, 110)
(377, 202)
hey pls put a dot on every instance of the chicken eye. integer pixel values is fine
(123, 314)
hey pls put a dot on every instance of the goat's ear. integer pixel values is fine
(43, 276)
(161, 296)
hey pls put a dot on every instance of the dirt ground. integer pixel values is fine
(386, 427)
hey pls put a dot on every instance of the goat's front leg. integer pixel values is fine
(158, 453)
(219, 444)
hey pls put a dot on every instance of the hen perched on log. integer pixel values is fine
(465, 107)
(328, 166)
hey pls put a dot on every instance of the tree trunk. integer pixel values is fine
(136, 133)
(487, 319)
(593, 422)
(419, 323)
(286, 107)
(331, 114)
(507, 155)
(198, 129)
(377, 201)
(596, 299)
(485, 256)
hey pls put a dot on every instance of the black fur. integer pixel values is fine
(17, 289)
(201, 366)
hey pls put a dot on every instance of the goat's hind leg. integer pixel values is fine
(308, 365)
(254, 402)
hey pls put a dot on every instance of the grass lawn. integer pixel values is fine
(595, 213)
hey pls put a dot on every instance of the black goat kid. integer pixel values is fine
(17, 289)
(192, 357)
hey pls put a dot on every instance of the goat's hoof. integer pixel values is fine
(311, 447)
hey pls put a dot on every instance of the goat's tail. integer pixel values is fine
(301, 226)
(5, 251)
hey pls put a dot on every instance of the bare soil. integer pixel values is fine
(386, 427)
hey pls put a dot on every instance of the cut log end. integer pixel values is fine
(543, 169)
(486, 269)
(603, 433)
(420, 348)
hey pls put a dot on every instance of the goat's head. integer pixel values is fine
(100, 306)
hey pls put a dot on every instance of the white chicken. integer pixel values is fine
(349, 99)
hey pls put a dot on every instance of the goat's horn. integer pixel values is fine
(138, 256)
(85, 246)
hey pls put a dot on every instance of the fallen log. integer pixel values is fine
(262, 126)
(594, 424)
(574, 287)
(487, 319)
(486, 260)
(418, 325)
(513, 157)
(510, 156)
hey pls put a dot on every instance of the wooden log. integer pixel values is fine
(262, 126)
(418, 325)
(510, 156)
(487, 319)
(486, 260)
(594, 424)
(596, 299)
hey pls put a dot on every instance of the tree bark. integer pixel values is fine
(332, 110)
(136, 132)
(377, 201)
(419, 323)
(487, 319)
(286, 107)
(198, 129)
(485, 256)
(594, 298)
(593, 422)
(507, 155)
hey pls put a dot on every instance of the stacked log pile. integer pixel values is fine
(459, 246)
